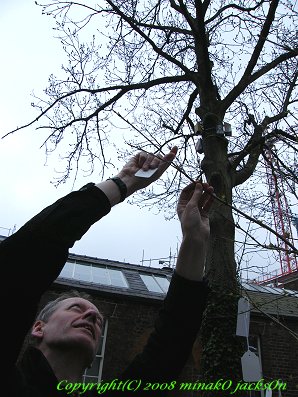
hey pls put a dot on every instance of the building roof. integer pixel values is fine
(271, 300)
(165, 270)
(264, 299)
(136, 289)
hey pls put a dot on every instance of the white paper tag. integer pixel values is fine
(268, 393)
(243, 317)
(146, 174)
(251, 369)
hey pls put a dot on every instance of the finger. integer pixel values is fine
(141, 158)
(156, 161)
(184, 197)
(207, 190)
(148, 161)
(208, 204)
(191, 196)
(172, 154)
(187, 192)
(197, 194)
(164, 162)
(206, 201)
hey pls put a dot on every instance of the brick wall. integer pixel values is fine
(279, 351)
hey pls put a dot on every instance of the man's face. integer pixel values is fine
(75, 324)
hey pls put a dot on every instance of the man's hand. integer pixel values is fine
(193, 209)
(141, 161)
(145, 161)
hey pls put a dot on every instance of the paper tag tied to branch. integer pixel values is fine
(243, 317)
(251, 368)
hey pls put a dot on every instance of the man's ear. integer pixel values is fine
(37, 329)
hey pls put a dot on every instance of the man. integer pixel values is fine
(66, 339)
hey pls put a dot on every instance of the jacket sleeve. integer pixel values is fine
(33, 257)
(176, 327)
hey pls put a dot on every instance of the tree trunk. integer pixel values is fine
(222, 349)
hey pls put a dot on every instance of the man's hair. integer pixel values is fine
(51, 306)
(46, 312)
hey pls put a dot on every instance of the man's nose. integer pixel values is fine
(91, 314)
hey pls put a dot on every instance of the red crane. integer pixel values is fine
(282, 221)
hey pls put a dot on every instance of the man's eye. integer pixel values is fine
(76, 307)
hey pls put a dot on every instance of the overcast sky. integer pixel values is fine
(30, 53)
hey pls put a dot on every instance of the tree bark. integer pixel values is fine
(222, 349)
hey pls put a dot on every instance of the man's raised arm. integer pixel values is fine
(33, 257)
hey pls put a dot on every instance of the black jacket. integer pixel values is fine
(32, 259)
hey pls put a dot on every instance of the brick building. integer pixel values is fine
(130, 296)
